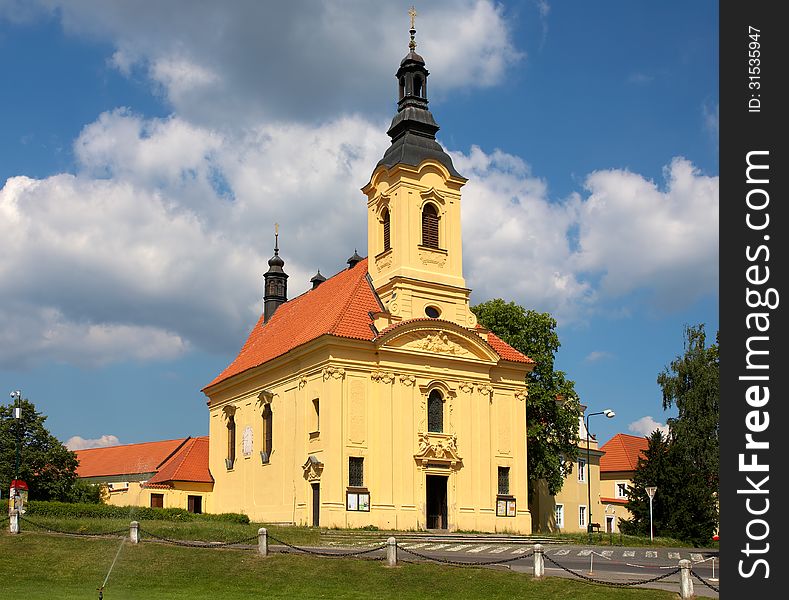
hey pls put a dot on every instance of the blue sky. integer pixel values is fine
(147, 151)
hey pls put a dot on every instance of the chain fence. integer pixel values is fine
(115, 532)
(498, 561)
(380, 546)
(701, 579)
(197, 544)
(612, 583)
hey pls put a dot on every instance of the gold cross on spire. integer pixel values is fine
(412, 14)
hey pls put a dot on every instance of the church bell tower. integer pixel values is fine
(413, 202)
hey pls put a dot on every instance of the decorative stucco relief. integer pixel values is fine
(437, 447)
(312, 469)
(439, 343)
(382, 376)
(432, 258)
(336, 372)
(408, 380)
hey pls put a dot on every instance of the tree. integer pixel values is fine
(684, 466)
(552, 427)
(654, 469)
(46, 465)
(691, 383)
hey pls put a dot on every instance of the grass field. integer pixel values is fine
(41, 566)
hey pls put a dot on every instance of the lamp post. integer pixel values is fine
(650, 490)
(610, 414)
(16, 395)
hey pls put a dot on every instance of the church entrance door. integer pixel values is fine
(436, 502)
(316, 504)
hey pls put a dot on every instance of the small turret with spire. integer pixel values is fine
(276, 281)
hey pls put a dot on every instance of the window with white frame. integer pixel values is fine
(559, 511)
(582, 516)
(621, 490)
(581, 469)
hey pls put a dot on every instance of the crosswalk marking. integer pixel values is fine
(696, 557)
(499, 550)
(519, 551)
(480, 549)
(456, 548)
(584, 553)
(607, 552)
(437, 547)
(651, 554)
(628, 553)
(674, 555)
(409, 546)
(562, 552)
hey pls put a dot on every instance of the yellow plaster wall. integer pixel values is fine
(573, 494)
(177, 497)
(373, 405)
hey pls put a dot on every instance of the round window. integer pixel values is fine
(432, 312)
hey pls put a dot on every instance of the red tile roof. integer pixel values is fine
(622, 452)
(339, 306)
(614, 500)
(506, 351)
(129, 459)
(190, 463)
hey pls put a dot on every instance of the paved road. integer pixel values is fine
(603, 563)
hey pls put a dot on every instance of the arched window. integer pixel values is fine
(417, 86)
(231, 441)
(387, 235)
(430, 226)
(268, 419)
(435, 412)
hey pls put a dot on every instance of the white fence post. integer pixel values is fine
(391, 552)
(685, 581)
(539, 562)
(263, 541)
(134, 532)
(13, 521)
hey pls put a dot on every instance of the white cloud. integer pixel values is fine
(646, 426)
(164, 214)
(79, 443)
(712, 119)
(222, 64)
(597, 356)
(636, 236)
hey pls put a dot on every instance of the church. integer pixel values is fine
(375, 398)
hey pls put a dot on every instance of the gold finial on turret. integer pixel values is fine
(412, 14)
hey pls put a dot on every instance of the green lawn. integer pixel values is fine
(52, 567)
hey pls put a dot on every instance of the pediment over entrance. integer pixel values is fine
(437, 337)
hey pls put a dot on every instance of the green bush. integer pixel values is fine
(139, 513)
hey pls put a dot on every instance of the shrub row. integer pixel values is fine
(138, 513)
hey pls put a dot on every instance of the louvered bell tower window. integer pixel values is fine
(430, 226)
(387, 235)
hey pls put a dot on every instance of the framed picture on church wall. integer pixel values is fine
(510, 508)
(364, 502)
(357, 501)
(501, 508)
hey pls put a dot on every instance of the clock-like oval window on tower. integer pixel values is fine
(432, 311)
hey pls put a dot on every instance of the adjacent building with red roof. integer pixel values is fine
(169, 473)
(622, 453)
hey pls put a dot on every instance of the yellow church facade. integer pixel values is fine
(374, 398)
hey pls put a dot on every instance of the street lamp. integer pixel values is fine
(16, 395)
(610, 414)
(650, 490)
